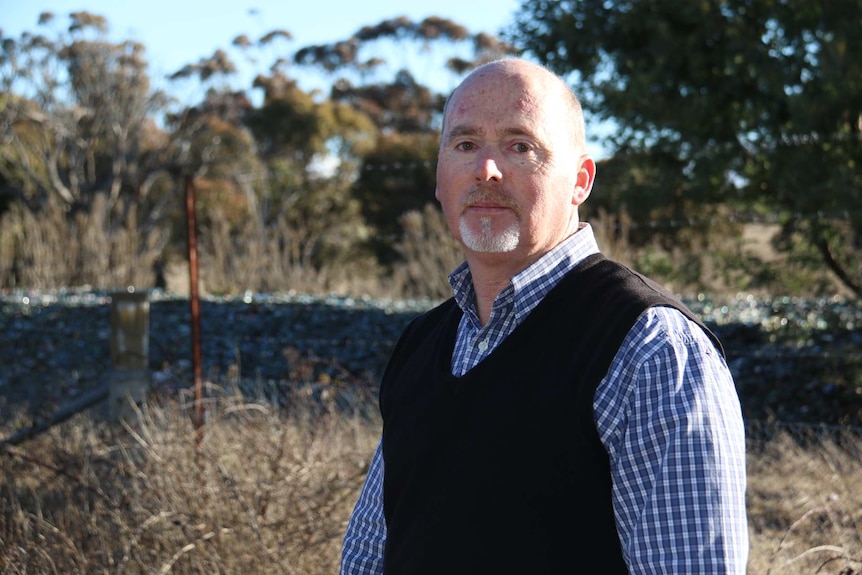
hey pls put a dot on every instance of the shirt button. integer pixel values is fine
(483, 345)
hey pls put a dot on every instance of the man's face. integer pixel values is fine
(508, 169)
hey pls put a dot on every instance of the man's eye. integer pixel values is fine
(522, 147)
(466, 146)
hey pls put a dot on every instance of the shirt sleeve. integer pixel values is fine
(669, 416)
(364, 540)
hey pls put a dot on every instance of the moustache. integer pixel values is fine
(480, 195)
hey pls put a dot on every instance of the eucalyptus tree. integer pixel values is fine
(268, 164)
(347, 161)
(78, 113)
(399, 72)
(755, 105)
(77, 130)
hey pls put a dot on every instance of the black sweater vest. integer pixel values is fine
(502, 470)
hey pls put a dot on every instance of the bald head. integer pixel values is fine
(539, 84)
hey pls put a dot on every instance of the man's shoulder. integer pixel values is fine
(672, 324)
(606, 283)
(616, 290)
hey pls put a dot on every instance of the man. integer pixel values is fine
(561, 412)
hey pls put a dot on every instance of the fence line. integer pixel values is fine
(748, 218)
(309, 343)
(774, 218)
(329, 347)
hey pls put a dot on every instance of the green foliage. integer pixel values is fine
(289, 122)
(309, 150)
(22, 173)
(398, 176)
(80, 158)
(78, 115)
(401, 106)
(348, 53)
(742, 103)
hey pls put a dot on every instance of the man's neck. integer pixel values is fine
(491, 274)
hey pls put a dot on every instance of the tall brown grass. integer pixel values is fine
(51, 250)
(265, 490)
(805, 501)
(269, 490)
(54, 250)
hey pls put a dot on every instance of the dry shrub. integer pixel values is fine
(35, 247)
(613, 234)
(805, 502)
(285, 258)
(697, 258)
(715, 252)
(52, 248)
(259, 491)
(235, 256)
(429, 254)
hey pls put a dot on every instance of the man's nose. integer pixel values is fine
(487, 170)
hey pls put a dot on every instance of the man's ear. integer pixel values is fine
(437, 193)
(584, 181)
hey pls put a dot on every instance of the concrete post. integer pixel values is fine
(129, 378)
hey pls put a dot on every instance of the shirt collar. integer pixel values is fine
(533, 283)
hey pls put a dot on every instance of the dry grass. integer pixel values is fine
(270, 490)
(50, 249)
(267, 491)
(805, 502)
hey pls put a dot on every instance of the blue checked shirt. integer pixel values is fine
(667, 412)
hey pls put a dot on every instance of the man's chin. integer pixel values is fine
(488, 242)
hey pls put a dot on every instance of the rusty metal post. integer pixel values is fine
(194, 299)
(129, 377)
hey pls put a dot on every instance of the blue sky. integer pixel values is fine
(179, 32)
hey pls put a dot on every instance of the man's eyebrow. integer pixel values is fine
(519, 132)
(465, 130)
(459, 131)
